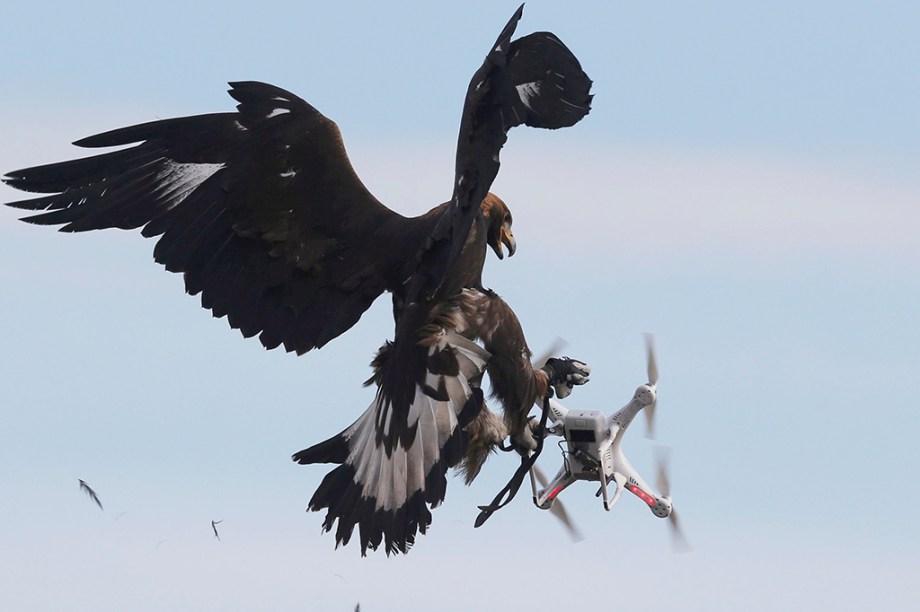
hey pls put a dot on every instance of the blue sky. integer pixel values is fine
(745, 187)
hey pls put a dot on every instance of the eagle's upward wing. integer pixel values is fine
(260, 209)
(534, 80)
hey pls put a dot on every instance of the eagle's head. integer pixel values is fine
(498, 222)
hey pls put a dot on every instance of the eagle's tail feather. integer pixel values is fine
(386, 490)
(333, 450)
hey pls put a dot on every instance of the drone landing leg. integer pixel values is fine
(533, 481)
(620, 481)
(603, 491)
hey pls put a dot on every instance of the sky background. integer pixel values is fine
(746, 187)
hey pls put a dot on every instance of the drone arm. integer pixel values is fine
(545, 497)
(628, 478)
(557, 412)
(623, 417)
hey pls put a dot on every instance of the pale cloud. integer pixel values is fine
(692, 203)
(666, 202)
(277, 559)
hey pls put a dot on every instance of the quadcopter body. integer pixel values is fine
(592, 451)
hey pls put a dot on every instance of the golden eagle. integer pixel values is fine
(263, 214)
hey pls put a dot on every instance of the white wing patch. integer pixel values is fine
(527, 91)
(175, 181)
(392, 480)
(277, 111)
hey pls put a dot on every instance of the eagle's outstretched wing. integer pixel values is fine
(260, 209)
(535, 81)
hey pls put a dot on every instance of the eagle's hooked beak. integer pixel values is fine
(508, 239)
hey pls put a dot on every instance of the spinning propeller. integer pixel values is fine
(558, 510)
(663, 483)
(558, 345)
(652, 381)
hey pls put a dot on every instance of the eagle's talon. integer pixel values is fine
(526, 439)
(564, 373)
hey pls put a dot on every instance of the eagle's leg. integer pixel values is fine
(486, 432)
(516, 383)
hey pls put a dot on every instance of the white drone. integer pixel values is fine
(593, 452)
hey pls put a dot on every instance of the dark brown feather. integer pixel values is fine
(92, 494)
